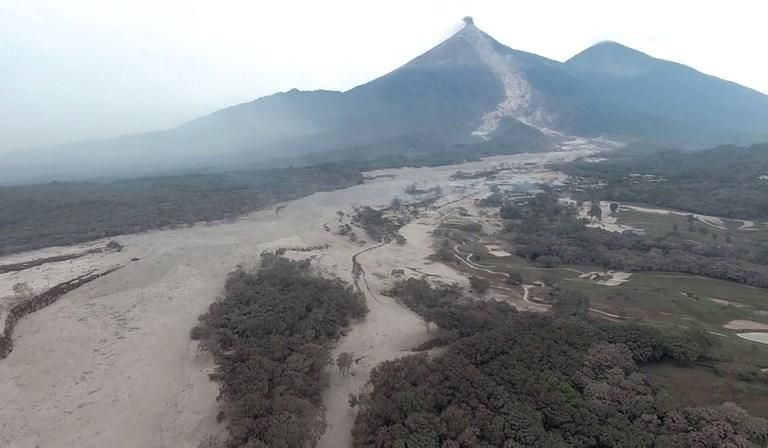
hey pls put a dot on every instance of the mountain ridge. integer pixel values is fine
(456, 93)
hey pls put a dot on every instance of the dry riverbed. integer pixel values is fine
(111, 364)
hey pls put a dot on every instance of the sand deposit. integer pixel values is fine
(755, 337)
(748, 325)
(610, 278)
(497, 251)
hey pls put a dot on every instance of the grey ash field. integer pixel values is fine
(482, 248)
(85, 362)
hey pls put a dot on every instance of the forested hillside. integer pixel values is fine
(462, 91)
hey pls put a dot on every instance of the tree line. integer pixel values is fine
(64, 213)
(726, 181)
(550, 233)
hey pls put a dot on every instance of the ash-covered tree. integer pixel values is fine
(344, 362)
(570, 304)
(595, 212)
(478, 284)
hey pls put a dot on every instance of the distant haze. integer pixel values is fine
(80, 69)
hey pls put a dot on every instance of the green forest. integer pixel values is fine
(725, 181)
(515, 379)
(549, 232)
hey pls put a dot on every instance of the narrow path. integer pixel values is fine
(359, 272)
(468, 261)
(526, 288)
(526, 296)
(388, 332)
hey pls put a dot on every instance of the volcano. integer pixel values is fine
(468, 90)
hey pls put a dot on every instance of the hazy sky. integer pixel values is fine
(77, 69)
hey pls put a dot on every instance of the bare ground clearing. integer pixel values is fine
(747, 325)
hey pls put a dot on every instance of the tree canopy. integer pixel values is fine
(270, 336)
(514, 379)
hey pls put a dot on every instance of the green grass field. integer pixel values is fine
(701, 385)
(667, 298)
(677, 299)
(672, 300)
(659, 225)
